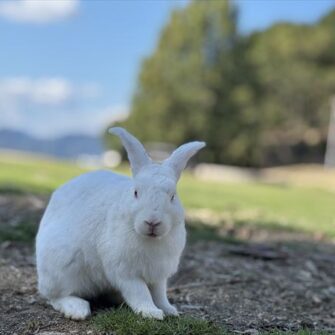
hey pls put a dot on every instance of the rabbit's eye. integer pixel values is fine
(135, 194)
(172, 197)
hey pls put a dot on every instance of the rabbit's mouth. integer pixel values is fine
(152, 234)
(151, 229)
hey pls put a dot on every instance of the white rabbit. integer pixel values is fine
(104, 232)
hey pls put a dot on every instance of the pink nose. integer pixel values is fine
(153, 224)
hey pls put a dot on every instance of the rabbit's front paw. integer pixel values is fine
(170, 310)
(152, 313)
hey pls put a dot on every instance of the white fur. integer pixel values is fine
(93, 237)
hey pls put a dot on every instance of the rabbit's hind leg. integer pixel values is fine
(72, 307)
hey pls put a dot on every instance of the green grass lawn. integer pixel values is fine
(31, 174)
(125, 322)
(288, 207)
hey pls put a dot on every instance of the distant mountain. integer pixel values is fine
(70, 146)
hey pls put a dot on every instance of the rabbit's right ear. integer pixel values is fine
(137, 155)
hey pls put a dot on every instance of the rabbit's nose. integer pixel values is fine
(153, 224)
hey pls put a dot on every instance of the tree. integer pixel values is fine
(296, 73)
(256, 100)
(184, 89)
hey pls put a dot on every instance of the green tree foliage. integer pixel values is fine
(296, 73)
(246, 96)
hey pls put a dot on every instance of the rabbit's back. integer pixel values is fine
(75, 215)
(78, 208)
(72, 203)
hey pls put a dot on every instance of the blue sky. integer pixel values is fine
(71, 65)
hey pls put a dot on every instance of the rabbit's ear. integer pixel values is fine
(179, 158)
(137, 155)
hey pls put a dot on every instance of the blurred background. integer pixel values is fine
(254, 79)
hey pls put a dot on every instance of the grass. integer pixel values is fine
(291, 207)
(125, 322)
(197, 231)
(24, 232)
(26, 173)
(122, 321)
(287, 207)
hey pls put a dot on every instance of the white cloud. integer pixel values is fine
(48, 91)
(92, 122)
(54, 91)
(38, 11)
(63, 122)
(49, 107)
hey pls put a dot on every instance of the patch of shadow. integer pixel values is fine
(107, 300)
(198, 231)
(240, 230)
(23, 189)
(10, 189)
(24, 231)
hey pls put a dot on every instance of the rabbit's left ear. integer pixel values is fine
(179, 158)
(137, 155)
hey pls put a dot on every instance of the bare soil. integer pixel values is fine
(248, 287)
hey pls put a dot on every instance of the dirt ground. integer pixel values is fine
(257, 285)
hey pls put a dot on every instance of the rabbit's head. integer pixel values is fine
(155, 207)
